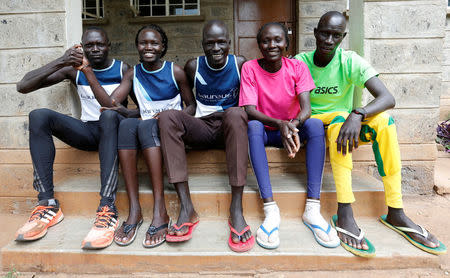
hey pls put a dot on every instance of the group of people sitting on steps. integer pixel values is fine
(239, 105)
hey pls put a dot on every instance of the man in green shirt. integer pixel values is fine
(335, 73)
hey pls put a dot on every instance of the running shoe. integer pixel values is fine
(42, 217)
(102, 233)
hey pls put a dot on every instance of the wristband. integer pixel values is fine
(83, 67)
(360, 111)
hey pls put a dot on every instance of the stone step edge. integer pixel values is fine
(210, 253)
(413, 152)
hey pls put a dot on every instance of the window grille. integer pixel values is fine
(92, 9)
(165, 7)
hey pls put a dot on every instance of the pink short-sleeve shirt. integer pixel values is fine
(275, 94)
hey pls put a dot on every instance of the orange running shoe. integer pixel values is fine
(42, 217)
(102, 233)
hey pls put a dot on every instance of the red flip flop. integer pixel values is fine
(241, 246)
(185, 237)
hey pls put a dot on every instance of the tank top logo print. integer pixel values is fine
(216, 90)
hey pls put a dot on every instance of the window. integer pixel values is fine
(165, 7)
(92, 9)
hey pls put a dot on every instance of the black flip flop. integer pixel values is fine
(127, 229)
(152, 230)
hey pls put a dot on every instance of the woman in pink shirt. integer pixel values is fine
(275, 93)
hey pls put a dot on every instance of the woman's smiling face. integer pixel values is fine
(149, 46)
(272, 43)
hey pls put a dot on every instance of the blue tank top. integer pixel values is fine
(156, 91)
(216, 89)
(109, 78)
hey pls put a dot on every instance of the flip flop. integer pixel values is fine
(185, 237)
(268, 245)
(152, 230)
(328, 244)
(358, 252)
(127, 229)
(241, 246)
(441, 249)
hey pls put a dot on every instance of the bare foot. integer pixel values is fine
(348, 223)
(397, 217)
(124, 234)
(157, 231)
(237, 221)
(185, 216)
(127, 231)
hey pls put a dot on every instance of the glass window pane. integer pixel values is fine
(158, 11)
(90, 3)
(190, 10)
(158, 7)
(144, 10)
(176, 10)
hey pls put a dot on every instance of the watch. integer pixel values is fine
(360, 111)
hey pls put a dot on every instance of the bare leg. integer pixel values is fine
(128, 161)
(153, 159)
(237, 217)
(347, 222)
(187, 211)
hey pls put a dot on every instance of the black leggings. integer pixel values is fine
(88, 136)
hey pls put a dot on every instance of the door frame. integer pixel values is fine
(293, 43)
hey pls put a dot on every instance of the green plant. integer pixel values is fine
(12, 273)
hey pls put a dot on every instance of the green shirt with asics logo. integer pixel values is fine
(335, 82)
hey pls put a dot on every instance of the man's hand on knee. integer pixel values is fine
(349, 134)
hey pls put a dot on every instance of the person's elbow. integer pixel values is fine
(391, 102)
(190, 108)
(21, 88)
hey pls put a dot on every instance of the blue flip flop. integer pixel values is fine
(328, 244)
(268, 245)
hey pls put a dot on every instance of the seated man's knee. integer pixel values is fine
(168, 118)
(314, 127)
(235, 113)
(39, 117)
(108, 116)
(235, 117)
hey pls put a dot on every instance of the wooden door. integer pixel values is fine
(250, 15)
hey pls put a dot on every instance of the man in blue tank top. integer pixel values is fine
(84, 67)
(215, 78)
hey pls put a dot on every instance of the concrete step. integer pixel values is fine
(16, 171)
(207, 251)
(211, 195)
